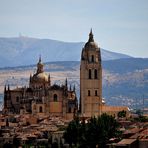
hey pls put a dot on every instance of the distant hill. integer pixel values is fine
(126, 65)
(25, 51)
(125, 81)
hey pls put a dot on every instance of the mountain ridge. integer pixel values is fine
(25, 50)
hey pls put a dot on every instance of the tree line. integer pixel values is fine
(96, 132)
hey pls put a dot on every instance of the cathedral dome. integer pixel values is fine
(91, 44)
(41, 77)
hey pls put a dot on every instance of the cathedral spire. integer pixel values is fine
(40, 59)
(70, 87)
(5, 97)
(49, 79)
(74, 88)
(40, 66)
(5, 89)
(8, 87)
(66, 82)
(91, 36)
(30, 78)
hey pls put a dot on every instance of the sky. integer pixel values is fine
(118, 25)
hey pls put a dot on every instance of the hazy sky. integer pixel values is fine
(118, 25)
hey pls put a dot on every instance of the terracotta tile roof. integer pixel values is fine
(126, 141)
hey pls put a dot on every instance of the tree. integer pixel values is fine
(16, 142)
(100, 130)
(122, 114)
(108, 129)
(139, 112)
(72, 132)
(91, 133)
(97, 131)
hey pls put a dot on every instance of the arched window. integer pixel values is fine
(89, 74)
(17, 99)
(55, 98)
(69, 109)
(96, 74)
(88, 92)
(92, 58)
(96, 93)
(40, 109)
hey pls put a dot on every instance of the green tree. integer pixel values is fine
(108, 129)
(142, 119)
(72, 133)
(122, 114)
(97, 131)
(139, 112)
(91, 133)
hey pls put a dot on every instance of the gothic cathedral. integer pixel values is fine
(90, 79)
(41, 98)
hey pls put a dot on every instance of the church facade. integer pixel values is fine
(41, 98)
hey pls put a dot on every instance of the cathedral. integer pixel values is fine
(42, 98)
(91, 102)
(91, 79)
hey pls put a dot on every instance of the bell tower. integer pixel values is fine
(90, 79)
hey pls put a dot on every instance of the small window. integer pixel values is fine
(96, 93)
(92, 58)
(88, 92)
(40, 109)
(55, 97)
(89, 75)
(69, 109)
(96, 74)
(17, 99)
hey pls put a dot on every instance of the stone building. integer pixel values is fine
(91, 102)
(91, 79)
(41, 97)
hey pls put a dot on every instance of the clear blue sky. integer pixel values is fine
(118, 25)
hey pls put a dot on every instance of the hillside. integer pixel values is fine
(25, 51)
(126, 65)
(125, 81)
